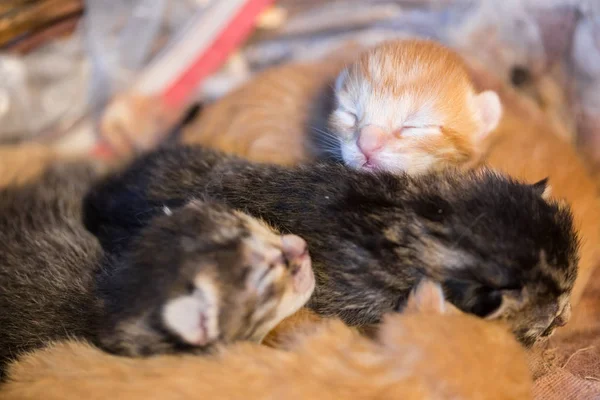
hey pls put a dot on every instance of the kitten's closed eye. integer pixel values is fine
(347, 118)
(418, 131)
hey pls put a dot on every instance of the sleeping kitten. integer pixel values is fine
(406, 105)
(529, 146)
(413, 357)
(499, 248)
(194, 276)
(410, 106)
(198, 275)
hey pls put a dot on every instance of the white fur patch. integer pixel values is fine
(195, 317)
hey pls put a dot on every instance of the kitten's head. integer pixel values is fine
(501, 249)
(203, 274)
(409, 105)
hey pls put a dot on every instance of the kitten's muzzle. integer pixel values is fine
(298, 261)
(295, 251)
(560, 320)
(371, 139)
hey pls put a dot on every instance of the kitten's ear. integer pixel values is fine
(489, 110)
(428, 297)
(543, 189)
(194, 316)
(341, 79)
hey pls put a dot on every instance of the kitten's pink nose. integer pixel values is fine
(564, 316)
(371, 138)
(293, 246)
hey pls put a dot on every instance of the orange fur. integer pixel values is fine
(265, 119)
(409, 81)
(422, 354)
(23, 163)
(426, 73)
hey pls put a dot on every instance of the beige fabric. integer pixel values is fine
(569, 366)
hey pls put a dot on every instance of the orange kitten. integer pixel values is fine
(266, 119)
(406, 105)
(429, 352)
(410, 106)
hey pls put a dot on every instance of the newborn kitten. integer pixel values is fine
(529, 146)
(499, 248)
(198, 275)
(410, 106)
(405, 105)
(413, 357)
(194, 276)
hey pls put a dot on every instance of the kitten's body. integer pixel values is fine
(194, 276)
(528, 146)
(406, 105)
(372, 236)
(266, 120)
(45, 274)
(414, 357)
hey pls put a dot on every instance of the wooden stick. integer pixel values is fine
(26, 17)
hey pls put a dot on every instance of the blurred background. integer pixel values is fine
(71, 69)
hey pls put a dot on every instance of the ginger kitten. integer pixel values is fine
(405, 105)
(410, 106)
(413, 357)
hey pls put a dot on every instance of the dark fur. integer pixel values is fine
(56, 282)
(161, 264)
(46, 263)
(373, 236)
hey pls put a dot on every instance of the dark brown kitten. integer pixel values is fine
(201, 274)
(500, 249)
(196, 275)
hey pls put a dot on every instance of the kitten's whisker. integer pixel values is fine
(327, 136)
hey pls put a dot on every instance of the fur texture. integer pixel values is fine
(413, 357)
(194, 276)
(45, 262)
(198, 275)
(528, 146)
(268, 119)
(497, 245)
(280, 106)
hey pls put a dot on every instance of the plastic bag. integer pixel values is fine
(148, 63)
(44, 92)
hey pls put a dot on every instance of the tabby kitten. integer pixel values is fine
(195, 275)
